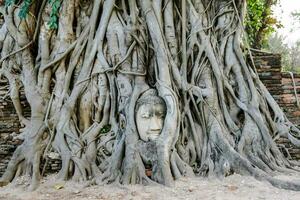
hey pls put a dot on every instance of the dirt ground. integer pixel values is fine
(234, 187)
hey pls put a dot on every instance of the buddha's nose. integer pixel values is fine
(155, 124)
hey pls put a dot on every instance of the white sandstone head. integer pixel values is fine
(150, 113)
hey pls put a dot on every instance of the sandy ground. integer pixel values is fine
(234, 187)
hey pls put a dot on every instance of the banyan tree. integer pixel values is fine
(139, 92)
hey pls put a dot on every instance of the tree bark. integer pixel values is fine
(85, 81)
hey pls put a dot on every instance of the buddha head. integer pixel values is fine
(150, 113)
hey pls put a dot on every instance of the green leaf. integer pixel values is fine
(55, 5)
(105, 129)
(9, 2)
(260, 22)
(24, 9)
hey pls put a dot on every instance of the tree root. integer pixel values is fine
(104, 56)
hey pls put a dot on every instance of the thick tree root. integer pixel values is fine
(86, 80)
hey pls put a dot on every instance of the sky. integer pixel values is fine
(283, 11)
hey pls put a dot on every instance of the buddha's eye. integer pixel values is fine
(146, 115)
(160, 115)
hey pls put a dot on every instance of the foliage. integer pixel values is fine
(9, 2)
(24, 9)
(294, 56)
(276, 45)
(55, 5)
(289, 54)
(105, 129)
(296, 16)
(260, 22)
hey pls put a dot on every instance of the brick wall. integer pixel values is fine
(289, 99)
(10, 126)
(280, 85)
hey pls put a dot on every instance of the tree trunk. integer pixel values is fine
(140, 92)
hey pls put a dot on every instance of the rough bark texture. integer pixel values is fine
(82, 82)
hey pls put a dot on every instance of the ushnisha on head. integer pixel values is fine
(150, 111)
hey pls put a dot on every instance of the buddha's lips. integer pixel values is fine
(153, 132)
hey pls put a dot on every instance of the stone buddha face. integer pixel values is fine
(149, 116)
